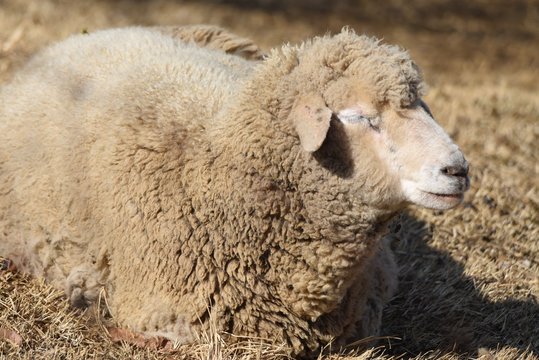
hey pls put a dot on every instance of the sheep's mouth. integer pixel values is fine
(456, 197)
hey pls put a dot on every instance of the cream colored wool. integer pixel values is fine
(216, 38)
(173, 177)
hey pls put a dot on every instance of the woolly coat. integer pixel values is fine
(172, 176)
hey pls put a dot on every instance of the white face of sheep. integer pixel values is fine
(418, 159)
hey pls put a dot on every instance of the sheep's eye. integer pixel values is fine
(352, 116)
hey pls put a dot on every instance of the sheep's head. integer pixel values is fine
(362, 112)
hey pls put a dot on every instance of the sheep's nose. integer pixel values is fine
(460, 170)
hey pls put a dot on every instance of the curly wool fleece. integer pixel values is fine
(170, 175)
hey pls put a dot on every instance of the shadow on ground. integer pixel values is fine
(439, 308)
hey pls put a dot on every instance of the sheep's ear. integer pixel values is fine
(311, 118)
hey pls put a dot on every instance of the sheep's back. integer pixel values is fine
(70, 115)
(86, 69)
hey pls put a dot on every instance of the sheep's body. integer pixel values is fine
(164, 173)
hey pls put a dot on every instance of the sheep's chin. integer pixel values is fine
(440, 201)
(432, 200)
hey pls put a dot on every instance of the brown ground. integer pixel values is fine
(469, 284)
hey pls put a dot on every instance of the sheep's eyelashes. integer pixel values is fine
(354, 116)
(349, 116)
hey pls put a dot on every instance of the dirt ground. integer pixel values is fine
(469, 279)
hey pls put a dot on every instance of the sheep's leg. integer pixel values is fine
(365, 301)
(215, 38)
(383, 283)
(86, 281)
(83, 285)
(150, 315)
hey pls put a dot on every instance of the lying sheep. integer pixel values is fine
(199, 187)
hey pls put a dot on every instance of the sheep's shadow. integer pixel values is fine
(440, 309)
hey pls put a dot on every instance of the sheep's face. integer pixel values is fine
(360, 113)
(431, 169)
(399, 155)
(417, 157)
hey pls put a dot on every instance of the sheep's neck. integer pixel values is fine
(284, 241)
(277, 237)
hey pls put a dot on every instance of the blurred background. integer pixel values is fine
(464, 35)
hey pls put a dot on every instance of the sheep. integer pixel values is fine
(197, 188)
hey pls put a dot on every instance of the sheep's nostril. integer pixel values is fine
(461, 171)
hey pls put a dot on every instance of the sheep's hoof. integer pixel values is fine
(7, 265)
(83, 286)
